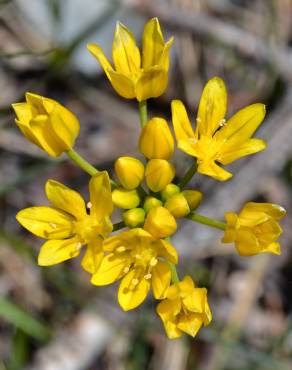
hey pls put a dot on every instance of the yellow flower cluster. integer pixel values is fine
(149, 200)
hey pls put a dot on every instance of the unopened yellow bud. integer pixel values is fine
(156, 140)
(177, 205)
(158, 174)
(47, 124)
(193, 198)
(151, 202)
(125, 199)
(160, 222)
(169, 190)
(134, 217)
(130, 172)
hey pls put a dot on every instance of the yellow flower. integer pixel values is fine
(160, 222)
(255, 230)
(68, 226)
(140, 261)
(131, 77)
(156, 140)
(215, 140)
(130, 172)
(47, 124)
(185, 309)
(158, 174)
(193, 197)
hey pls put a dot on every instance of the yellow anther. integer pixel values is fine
(121, 249)
(126, 269)
(89, 205)
(78, 246)
(153, 261)
(147, 276)
(54, 226)
(222, 122)
(138, 256)
(135, 281)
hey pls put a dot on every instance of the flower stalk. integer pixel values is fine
(188, 175)
(143, 113)
(207, 221)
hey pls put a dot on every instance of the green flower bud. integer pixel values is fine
(134, 217)
(151, 202)
(168, 191)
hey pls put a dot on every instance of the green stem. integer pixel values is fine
(174, 275)
(84, 165)
(143, 112)
(188, 175)
(118, 226)
(207, 221)
(142, 192)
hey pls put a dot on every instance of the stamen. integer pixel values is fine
(54, 226)
(138, 256)
(153, 261)
(78, 246)
(121, 249)
(135, 281)
(198, 120)
(89, 205)
(126, 269)
(222, 122)
(147, 276)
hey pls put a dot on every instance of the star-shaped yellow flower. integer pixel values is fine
(68, 226)
(215, 140)
(131, 77)
(185, 309)
(140, 260)
(256, 228)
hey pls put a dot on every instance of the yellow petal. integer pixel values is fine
(195, 302)
(242, 125)
(182, 127)
(111, 269)
(100, 195)
(46, 222)
(23, 112)
(153, 43)
(161, 278)
(164, 60)
(230, 232)
(65, 199)
(130, 172)
(230, 154)
(212, 107)
(186, 286)
(190, 324)
(132, 295)
(246, 243)
(97, 52)
(213, 170)
(126, 55)
(123, 85)
(160, 223)
(158, 174)
(151, 84)
(126, 199)
(27, 132)
(167, 250)
(56, 251)
(65, 125)
(167, 310)
(129, 238)
(93, 256)
(273, 248)
(273, 210)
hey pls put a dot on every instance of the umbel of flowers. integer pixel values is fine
(140, 254)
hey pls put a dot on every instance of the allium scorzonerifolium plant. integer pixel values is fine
(140, 253)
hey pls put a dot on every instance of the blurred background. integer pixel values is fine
(52, 318)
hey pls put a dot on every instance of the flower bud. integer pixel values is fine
(134, 217)
(151, 202)
(160, 222)
(47, 124)
(126, 199)
(156, 140)
(193, 198)
(169, 190)
(130, 172)
(158, 174)
(177, 205)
